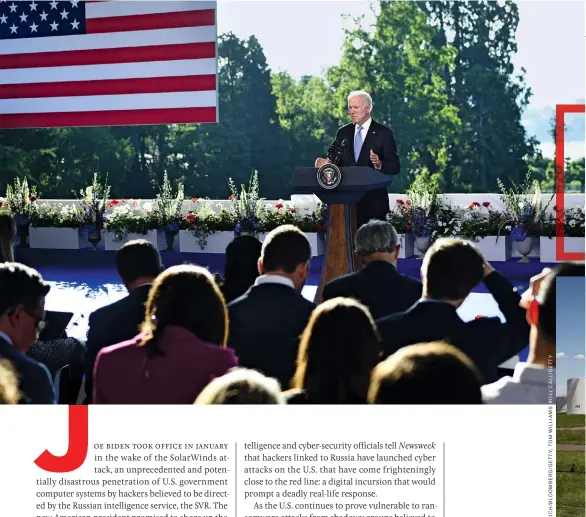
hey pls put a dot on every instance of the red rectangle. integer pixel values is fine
(560, 252)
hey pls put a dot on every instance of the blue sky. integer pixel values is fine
(304, 37)
(570, 330)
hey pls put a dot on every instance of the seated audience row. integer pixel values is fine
(379, 337)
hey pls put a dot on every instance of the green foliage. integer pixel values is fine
(20, 199)
(441, 76)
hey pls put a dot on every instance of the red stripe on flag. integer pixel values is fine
(144, 22)
(192, 83)
(109, 118)
(109, 56)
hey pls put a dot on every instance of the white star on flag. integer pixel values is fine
(3, 18)
(44, 16)
(64, 14)
(34, 27)
(54, 26)
(53, 5)
(13, 8)
(23, 17)
(74, 25)
(74, 3)
(13, 29)
(33, 6)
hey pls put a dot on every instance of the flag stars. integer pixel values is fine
(23, 17)
(13, 29)
(3, 18)
(12, 7)
(64, 14)
(53, 5)
(34, 27)
(74, 3)
(54, 26)
(33, 6)
(43, 16)
(74, 25)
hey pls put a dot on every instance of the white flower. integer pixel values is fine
(508, 228)
(147, 207)
(572, 223)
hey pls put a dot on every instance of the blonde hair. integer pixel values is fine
(9, 392)
(242, 386)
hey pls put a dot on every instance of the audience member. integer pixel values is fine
(267, 321)
(22, 312)
(378, 285)
(138, 263)
(451, 269)
(7, 235)
(9, 393)
(241, 268)
(426, 373)
(181, 347)
(533, 382)
(242, 386)
(338, 351)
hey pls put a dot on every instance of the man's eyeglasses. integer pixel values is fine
(40, 322)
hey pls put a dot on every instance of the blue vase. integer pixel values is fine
(22, 230)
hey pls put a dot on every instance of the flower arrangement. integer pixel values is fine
(424, 205)
(168, 206)
(94, 201)
(21, 199)
(524, 211)
(203, 221)
(573, 219)
(130, 216)
(56, 216)
(247, 206)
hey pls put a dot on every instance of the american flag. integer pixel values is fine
(107, 63)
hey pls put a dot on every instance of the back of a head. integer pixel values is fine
(451, 269)
(284, 249)
(138, 259)
(242, 386)
(337, 352)
(547, 295)
(7, 234)
(376, 237)
(241, 268)
(187, 296)
(426, 373)
(20, 285)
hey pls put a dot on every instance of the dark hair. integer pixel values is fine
(20, 285)
(7, 234)
(547, 306)
(241, 269)
(452, 268)
(186, 296)
(136, 259)
(284, 249)
(426, 373)
(339, 348)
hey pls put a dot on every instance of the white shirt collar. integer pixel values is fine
(5, 337)
(530, 384)
(274, 279)
(365, 127)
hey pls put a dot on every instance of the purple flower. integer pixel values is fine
(518, 233)
(173, 227)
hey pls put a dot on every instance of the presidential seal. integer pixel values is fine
(329, 176)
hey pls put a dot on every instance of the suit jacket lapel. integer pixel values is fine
(364, 156)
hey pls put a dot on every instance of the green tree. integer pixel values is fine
(400, 64)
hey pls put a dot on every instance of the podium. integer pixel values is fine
(356, 181)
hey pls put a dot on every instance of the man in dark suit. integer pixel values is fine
(371, 145)
(267, 321)
(451, 269)
(138, 263)
(22, 314)
(378, 285)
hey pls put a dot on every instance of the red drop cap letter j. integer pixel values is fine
(78, 444)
